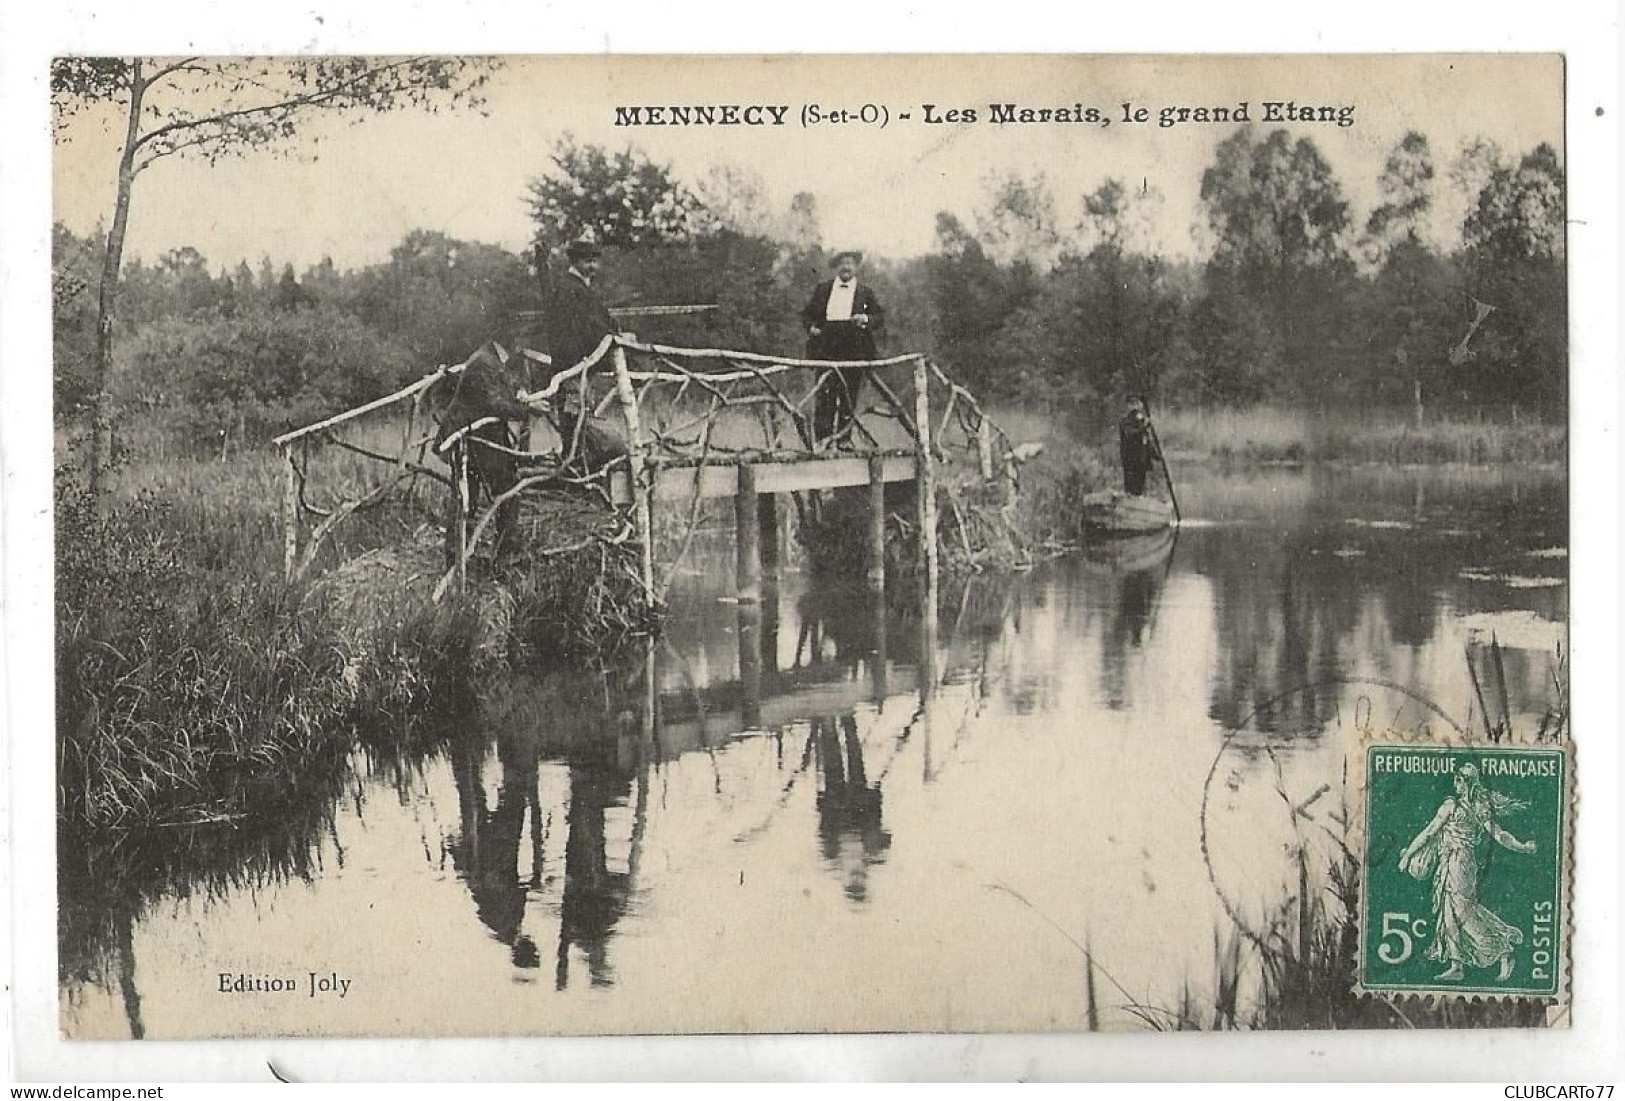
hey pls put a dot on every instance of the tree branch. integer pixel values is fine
(319, 98)
(183, 63)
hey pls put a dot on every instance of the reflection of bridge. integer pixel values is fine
(692, 424)
(578, 754)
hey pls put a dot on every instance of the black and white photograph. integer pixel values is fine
(635, 545)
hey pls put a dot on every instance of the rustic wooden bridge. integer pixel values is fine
(687, 425)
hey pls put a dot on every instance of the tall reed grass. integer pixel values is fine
(1277, 434)
(193, 682)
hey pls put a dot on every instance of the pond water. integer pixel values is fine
(807, 816)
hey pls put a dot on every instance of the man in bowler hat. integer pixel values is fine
(842, 318)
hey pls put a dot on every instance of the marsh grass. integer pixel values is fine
(193, 684)
(1276, 434)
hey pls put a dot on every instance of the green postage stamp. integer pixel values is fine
(1466, 858)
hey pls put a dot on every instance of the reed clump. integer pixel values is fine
(178, 684)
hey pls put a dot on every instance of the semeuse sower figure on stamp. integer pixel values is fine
(1465, 931)
(842, 319)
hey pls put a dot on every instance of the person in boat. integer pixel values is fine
(1137, 446)
(842, 319)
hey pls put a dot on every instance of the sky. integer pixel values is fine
(352, 191)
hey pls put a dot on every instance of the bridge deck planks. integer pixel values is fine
(722, 480)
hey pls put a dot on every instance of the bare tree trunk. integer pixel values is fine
(101, 435)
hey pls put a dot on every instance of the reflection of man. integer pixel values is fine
(849, 810)
(841, 319)
(594, 897)
(1137, 446)
(488, 851)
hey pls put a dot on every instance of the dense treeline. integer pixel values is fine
(1291, 298)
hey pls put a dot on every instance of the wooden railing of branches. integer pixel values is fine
(691, 423)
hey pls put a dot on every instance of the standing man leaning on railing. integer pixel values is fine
(842, 319)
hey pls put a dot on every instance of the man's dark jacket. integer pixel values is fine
(575, 321)
(486, 387)
(842, 339)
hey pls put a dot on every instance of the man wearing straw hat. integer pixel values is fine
(841, 318)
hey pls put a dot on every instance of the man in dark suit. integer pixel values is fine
(575, 317)
(842, 319)
(576, 322)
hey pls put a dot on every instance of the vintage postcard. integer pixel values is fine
(615, 545)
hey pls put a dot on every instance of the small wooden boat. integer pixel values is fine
(1112, 513)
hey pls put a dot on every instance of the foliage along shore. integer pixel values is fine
(193, 683)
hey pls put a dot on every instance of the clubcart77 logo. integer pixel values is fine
(1465, 863)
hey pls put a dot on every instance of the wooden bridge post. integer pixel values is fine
(636, 470)
(747, 529)
(877, 522)
(750, 665)
(767, 515)
(464, 503)
(290, 513)
(878, 674)
(984, 446)
(925, 485)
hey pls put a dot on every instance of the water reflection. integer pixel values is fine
(595, 895)
(1134, 570)
(850, 833)
(486, 850)
(826, 764)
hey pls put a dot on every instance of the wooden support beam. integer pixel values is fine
(639, 484)
(718, 478)
(750, 664)
(290, 513)
(464, 504)
(876, 558)
(984, 447)
(925, 485)
(747, 529)
(767, 523)
(878, 671)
